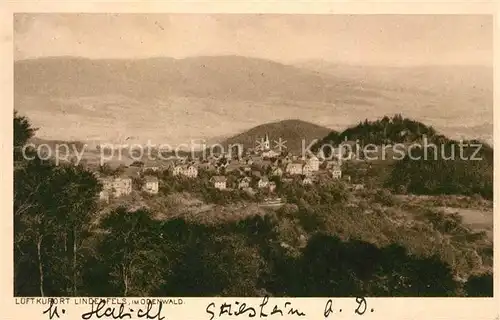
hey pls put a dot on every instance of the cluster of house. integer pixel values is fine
(279, 164)
(282, 165)
(121, 185)
(221, 182)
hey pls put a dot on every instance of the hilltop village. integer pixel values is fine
(252, 171)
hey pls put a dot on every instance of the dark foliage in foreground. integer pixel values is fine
(480, 285)
(138, 256)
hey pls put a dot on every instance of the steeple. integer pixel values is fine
(266, 143)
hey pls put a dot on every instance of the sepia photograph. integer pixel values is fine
(252, 155)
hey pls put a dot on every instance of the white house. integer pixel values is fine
(151, 185)
(186, 170)
(122, 186)
(219, 182)
(263, 182)
(307, 180)
(191, 171)
(307, 169)
(269, 154)
(116, 187)
(336, 172)
(313, 162)
(177, 170)
(104, 195)
(244, 183)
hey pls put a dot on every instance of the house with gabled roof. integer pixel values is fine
(151, 185)
(115, 186)
(307, 169)
(263, 182)
(244, 183)
(220, 182)
(186, 170)
(336, 172)
(269, 154)
(313, 162)
(307, 180)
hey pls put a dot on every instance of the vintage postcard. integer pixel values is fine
(181, 163)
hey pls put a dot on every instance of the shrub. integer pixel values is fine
(479, 285)
(384, 196)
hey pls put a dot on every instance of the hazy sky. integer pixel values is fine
(356, 39)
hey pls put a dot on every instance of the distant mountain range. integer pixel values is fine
(228, 77)
(52, 144)
(176, 101)
(427, 79)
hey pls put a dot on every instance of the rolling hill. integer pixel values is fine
(429, 79)
(292, 131)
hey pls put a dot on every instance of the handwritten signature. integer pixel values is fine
(265, 309)
(237, 308)
(99, 310)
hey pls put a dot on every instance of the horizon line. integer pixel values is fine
(294, 62)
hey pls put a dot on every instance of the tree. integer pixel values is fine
(331, 267)
(23, 130)
(76, 190)
(131, 249)
(52, 209)
(137, 164)
(431, 174)
(480, 285)
(138, 183)
(384, 197)
(33, 223)
(325, 269)
(53, 206)
(207, 261)
(105, 169)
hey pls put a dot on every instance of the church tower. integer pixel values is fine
(266, 145)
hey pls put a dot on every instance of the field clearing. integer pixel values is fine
(477, 214)
(478, 220)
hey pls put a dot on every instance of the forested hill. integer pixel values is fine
(448, 171)
(453, 167)
(394, 129)
(293, 131)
